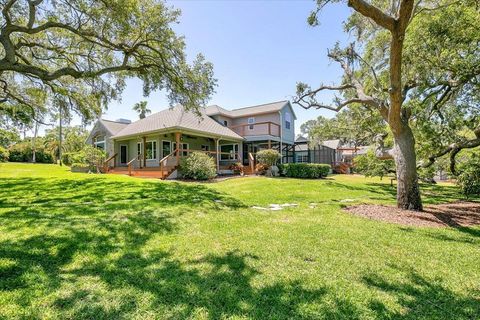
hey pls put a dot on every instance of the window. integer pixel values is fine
(99, 142)
(139, 148)
(225, 123)
(287, 120)
(228, 151)
(151, 150)
(251, 122)
(302, 157)
(184, 146)
(205, 147)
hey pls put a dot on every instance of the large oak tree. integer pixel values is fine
(377, 76)
(78, 53)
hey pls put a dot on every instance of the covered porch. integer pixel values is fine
(159, 154)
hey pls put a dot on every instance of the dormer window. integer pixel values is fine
(288, 120)
(251, 122)
(225, 123)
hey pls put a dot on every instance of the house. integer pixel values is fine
(333, 152)
(159, 141)
(325, 152)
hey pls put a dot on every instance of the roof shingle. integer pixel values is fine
(246, 111)
(177, 117)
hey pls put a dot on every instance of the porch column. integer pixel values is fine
(269, 144)
(177, 140)
(144, 147)
(217, 147)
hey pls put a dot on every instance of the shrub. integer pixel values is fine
(4, 154)
(198, 166)
(469, 178)
(268, 157)
(281, 169)
(261, 168)
(306, 170)
(237, 167)
(371, 166)
(22, 152)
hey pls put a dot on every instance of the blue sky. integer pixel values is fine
(259, 50)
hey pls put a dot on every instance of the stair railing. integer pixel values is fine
(164, 161)
(130, 163)
(105, 163)
(251, 162)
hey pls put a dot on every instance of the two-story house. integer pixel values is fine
(159, 141)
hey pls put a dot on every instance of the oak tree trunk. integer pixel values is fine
(408, 192)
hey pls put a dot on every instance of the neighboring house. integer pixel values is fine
(332, 152)
(325, 152)
(160, 140)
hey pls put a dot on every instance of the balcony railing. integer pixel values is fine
(257, 129)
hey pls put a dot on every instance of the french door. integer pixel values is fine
(123, 154)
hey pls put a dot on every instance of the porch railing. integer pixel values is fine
(105, 164)
(164, 163)
(256, 129)
(251, 162)
(234, 156)
(130, 163)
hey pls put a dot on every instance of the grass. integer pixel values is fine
(78, 246)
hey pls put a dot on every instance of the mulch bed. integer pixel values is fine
(457, 214)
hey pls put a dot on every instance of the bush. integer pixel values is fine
(237, 167)
(306, 170)
(198, 166)
(261, 168)
(469, 178)
(22, 152)
(268, 157)
(281, 169)
(4, 154)
(371, 166)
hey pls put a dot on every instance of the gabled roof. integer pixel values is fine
(301, 139)
(333, 144)
(113, 126)
(247, 111)
(177, 118)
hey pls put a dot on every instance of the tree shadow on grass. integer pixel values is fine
(422, 298)
(431, 193)
(82, 249)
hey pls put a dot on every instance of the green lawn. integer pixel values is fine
(108, 247)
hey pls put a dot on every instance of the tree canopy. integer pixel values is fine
(78, 53)
(414, 63)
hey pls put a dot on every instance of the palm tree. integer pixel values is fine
(141, 108)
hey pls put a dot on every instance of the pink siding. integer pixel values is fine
(259, 128)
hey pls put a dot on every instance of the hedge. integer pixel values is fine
(22, 152)
(306, 170)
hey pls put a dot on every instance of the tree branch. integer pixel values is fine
(453, 150)
(373, 13)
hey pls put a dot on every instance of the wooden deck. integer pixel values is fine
(153, 172)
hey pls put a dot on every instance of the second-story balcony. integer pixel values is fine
(257, 129)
